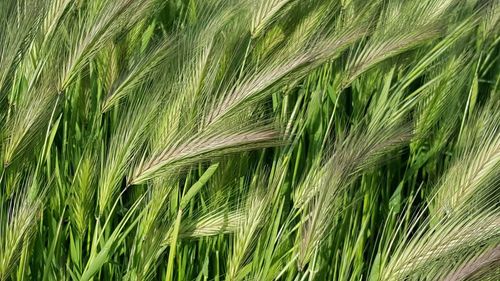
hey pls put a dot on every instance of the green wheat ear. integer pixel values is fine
(249, 140)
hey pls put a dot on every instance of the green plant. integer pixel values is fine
(249, 140)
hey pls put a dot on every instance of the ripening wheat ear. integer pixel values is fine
(19, 24)
(378, 51)
(432, 252)
(32, 104)
(28, 118)
(265, 12)
(83, 187)
(125, 145)
(476, 168)
(464, 213)
(17, 226)
(443, 96)
(401, 27)
(138, 73)
(475, 266)
(101, 23)
(56, 13)
(247, 233)
(359, 151)
(201, 147)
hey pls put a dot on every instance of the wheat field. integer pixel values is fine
(211, 140)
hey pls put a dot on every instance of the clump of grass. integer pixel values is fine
(249, 140)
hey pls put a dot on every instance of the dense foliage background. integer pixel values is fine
(249, 140)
